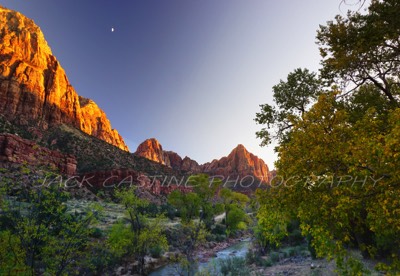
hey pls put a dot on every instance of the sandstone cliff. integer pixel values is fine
(14, 149)
(239, 164)
(152, 150)
(34, 89)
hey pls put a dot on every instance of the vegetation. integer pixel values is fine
(338, 150)
(39, 235)
(140, 235)
(337, 189)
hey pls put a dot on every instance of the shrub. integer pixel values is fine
(274, 256)
(219, 229)
(295, 237)
(156, 251)
(97, 233)
(220, 238)
(211, 237)
(234, 266)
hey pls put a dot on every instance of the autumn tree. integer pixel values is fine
(364, 48)
(338, 175)
(292, 99)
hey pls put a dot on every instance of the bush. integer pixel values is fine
(234, 266)
(220, 238)
(219, 229)
(211, 237)
(268, 262)
(274, 256)
(169, 211)
(156, 251)
(254, 257)
(96, 233)
(295, 237)
(292, 252)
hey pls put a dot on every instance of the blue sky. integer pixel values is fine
(190, 73)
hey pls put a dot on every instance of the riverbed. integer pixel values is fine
(239, 249)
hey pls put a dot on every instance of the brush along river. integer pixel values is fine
(239, 249)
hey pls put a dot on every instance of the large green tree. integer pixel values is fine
(38, 234)
(338, 161)
(234, 204)
(292, 99)
(137, 234)
(364, 48)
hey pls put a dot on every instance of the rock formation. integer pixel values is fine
(239, 164)
(190, 166)
(14, 149)
(152, 150)
(34, 89)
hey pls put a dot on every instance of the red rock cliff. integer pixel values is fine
(34, 89)
(239, 163)
(17, 150)
(152, 150)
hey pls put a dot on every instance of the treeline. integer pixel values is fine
(40, 234)
(339, 144)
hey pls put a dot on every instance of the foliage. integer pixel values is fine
(188, 204)
(38, 234)
(339, 159)
(292, 99)
(364, 48)
(191, 205)
(234, 266)
(138, 234)
(234, 204)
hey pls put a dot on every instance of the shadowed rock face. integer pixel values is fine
(34, 89)
(238, 164)
(14, 149)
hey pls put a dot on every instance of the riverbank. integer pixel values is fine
(210, 249)
(204, 253)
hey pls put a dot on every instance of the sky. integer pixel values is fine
(191, 74)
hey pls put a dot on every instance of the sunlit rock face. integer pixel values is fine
(239, 163)
(34, 89)
(152, 150)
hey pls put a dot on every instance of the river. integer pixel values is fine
(239, 249)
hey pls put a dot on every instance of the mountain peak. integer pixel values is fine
(239, 163)
(152, 150)
(34, 88)
(240, 147)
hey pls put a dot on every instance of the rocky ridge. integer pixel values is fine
(15, 149)
(34, 89)
(240, 164)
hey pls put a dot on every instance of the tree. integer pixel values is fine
(292, 99)
(364, 48)
(191, 205)
(338, 160)
(234, 204)
(188, 204)
(340, 181)
(41, 235)
(140, 234)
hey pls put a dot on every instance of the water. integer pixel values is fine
(239, 249)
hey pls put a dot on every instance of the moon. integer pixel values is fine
(112, 30)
